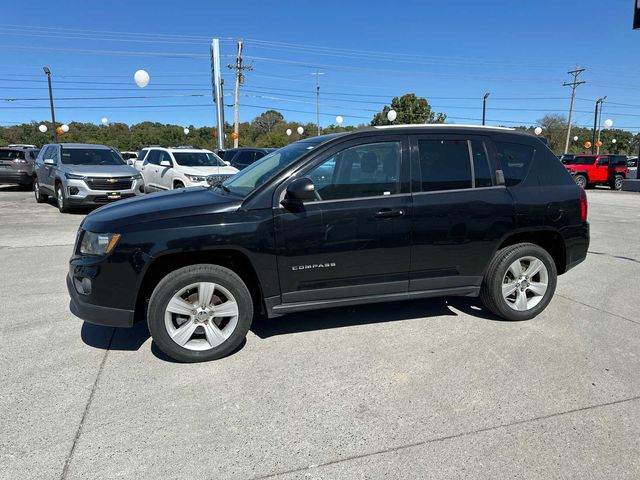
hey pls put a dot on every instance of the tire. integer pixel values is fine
(40, 197)
(177, 185)
(617, 182)
(61, 199)
(581, 180)
(500, 278)
(174, 305)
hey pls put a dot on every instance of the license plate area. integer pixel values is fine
(114, 196)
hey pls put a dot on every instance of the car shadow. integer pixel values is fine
(15, 188)
(132, 339)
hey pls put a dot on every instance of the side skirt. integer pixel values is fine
(274, 308)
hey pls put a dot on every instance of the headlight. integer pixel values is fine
(214, 180)
(98, 243)
(196, 178)
(73, 176)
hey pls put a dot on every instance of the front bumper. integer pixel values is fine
(78, 193)
(96, 314)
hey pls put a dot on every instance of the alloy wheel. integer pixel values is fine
(525, 283)
(201, 316)
(580, 181)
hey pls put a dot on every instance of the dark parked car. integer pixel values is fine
(16, 165)
(243, 157)
(381, 214)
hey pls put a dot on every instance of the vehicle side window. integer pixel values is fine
(515, 160)
(141, 155)
(259, 155)
(481, 170)
(244, 158)
(165, 156)
(53, 153)
(368, 170)
(153, 157)
(444, 164)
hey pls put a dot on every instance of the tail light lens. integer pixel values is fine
(20, 160)
(583, 205)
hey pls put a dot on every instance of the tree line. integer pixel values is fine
(269, 129)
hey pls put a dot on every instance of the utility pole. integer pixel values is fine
(53, 113)
(595, 124)
(239, 81)
(484, 106)
(216, 80)
(600, 123)
(317, 74)
(574, 84)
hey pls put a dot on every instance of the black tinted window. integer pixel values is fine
(244, 158)
(515, 160)
(153, 157)
(90, 156)
(444, 164)
(481, 164)
(362, 171)
(11, 154)
(619, 161)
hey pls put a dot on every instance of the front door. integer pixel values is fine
(50, 170)
(150, 168)
(353, 239)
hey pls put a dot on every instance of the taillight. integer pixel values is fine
(583, 205)
(20, 160)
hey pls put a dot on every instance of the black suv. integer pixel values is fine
(242, 157)
(380, 214)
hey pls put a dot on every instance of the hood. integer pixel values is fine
(226, 170)
(101, 170)
(181, 203)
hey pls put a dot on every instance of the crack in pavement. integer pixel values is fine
(620, 257)
(598, 309)
(67, 463)
(449, 437)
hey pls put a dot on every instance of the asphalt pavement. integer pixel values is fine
(433, 388)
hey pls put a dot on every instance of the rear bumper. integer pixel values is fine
(577, 246)
(15, 176)
(96, 314)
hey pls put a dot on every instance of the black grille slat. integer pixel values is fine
(109, 183)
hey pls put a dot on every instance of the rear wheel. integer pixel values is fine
(581, 180)
(200, 313)
(617, 182)
(520, 282)
(40, 197)
(61, 199)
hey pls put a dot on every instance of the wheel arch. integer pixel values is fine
(551, 240)
(234, 260)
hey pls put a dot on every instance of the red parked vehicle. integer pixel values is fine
(591, 170)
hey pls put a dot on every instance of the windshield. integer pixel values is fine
(90, 156)
(580, 160)
(198, 159)
(267, 167)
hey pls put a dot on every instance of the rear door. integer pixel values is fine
(460, 214)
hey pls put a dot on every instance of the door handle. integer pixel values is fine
(389, 213)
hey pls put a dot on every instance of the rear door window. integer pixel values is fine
(481, 170)
(444, 165)
(515, 160)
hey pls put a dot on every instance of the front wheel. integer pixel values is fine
(520, 282)
(199, 313)
(40, 197)
(61, 199)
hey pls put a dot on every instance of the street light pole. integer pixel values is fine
(317, 74)
(600, 122)
(595, 124)
(53, 114)
(484, 107)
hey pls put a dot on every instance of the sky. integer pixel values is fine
(450, 52)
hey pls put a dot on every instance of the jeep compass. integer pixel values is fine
(375, 215)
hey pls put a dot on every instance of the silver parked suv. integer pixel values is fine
(78, 174)
(16, 164)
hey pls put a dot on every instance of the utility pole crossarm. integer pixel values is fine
(574, 84)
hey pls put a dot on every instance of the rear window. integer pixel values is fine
(11, 154)
(619, 161)
(515, 159)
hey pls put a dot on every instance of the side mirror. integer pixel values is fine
(166, 163)
(300, 189)
(226, 163)
(49, 161)
(130, 162)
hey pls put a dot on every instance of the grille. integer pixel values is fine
(109, 183)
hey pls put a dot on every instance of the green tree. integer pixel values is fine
(410, 109)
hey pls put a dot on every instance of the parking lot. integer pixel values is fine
(425, 389)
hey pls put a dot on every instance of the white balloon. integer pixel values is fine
(42, 128)
(538, 130)
(186, 131)
(575, 139)
(613, 141)
(141, 78)
(392, 115)
(104, 120)
(289, 132)
(65, 128)
(339, 120)
(608, 123)
(300, 130)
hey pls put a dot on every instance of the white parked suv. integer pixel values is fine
(168, 168)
